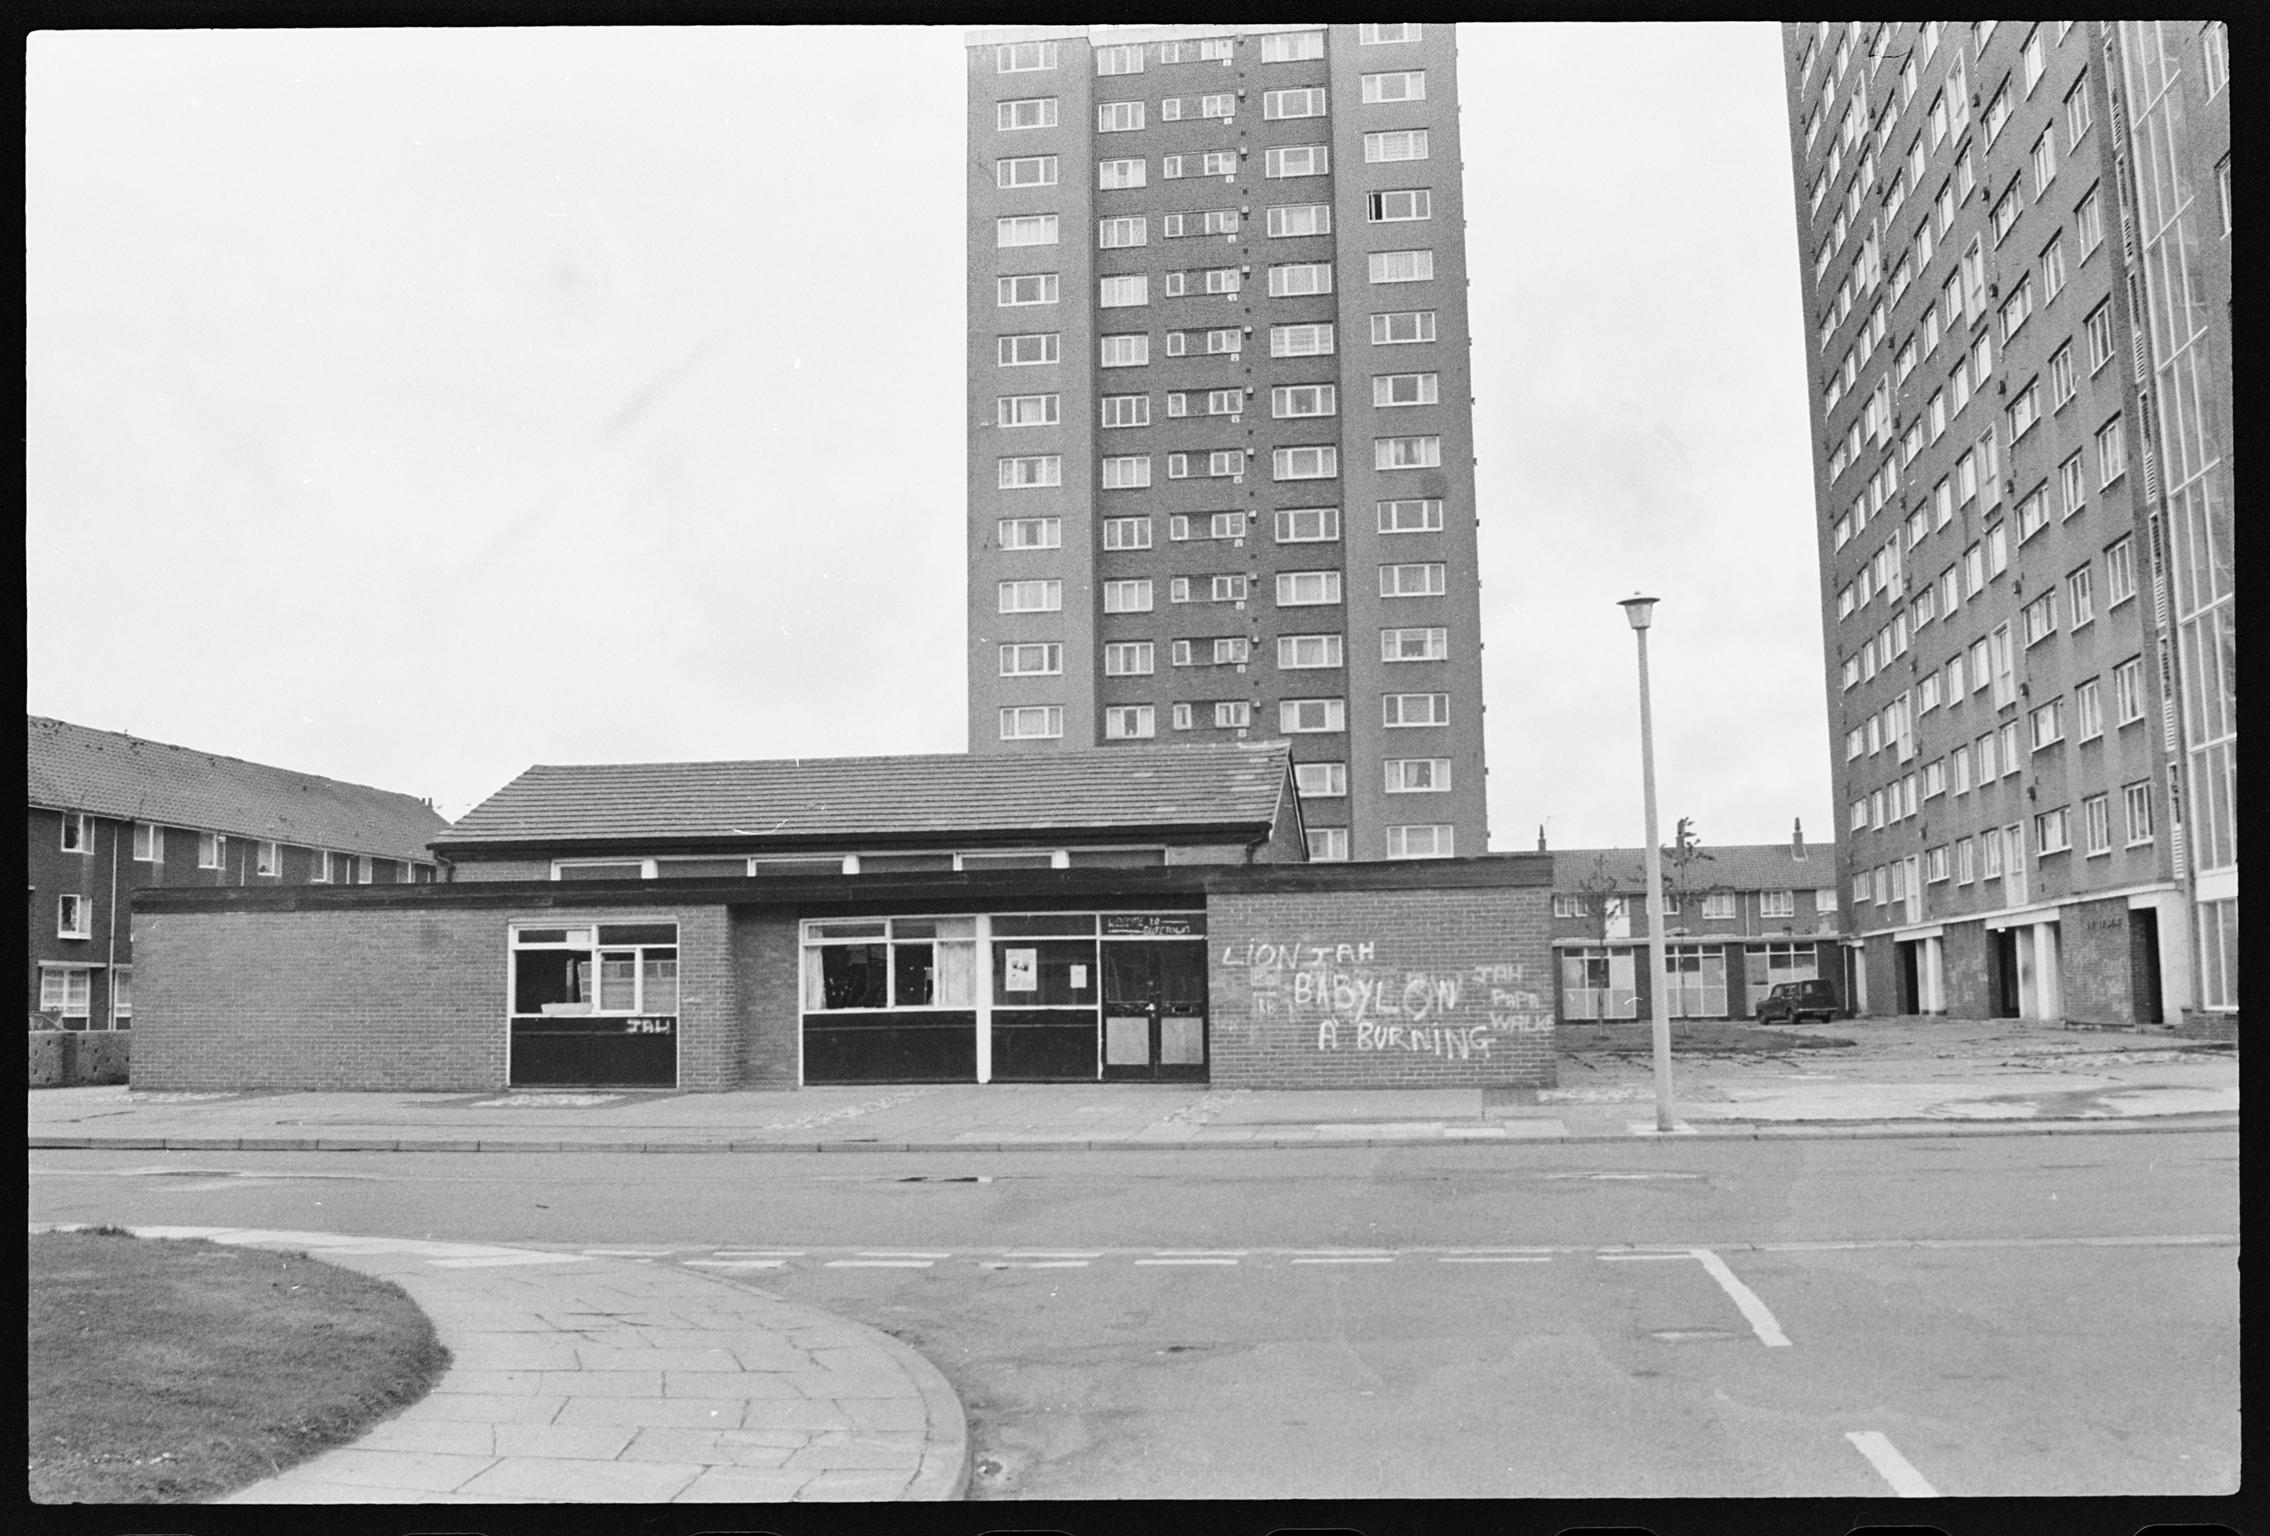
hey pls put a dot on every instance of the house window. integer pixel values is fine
(1300, 219)
(1118, 116)
(1025, 229)
(1300, 101)
(1406, 452)
(2080, 597)
(2088, 222)
(1395, 85)
(1304, 400)
(1133, 596)
(1127, 230)
(1327, 845)
(2039, 618)
(1300, 340)
(268, 859)
(1127, 533)
(1031, 721)
(2120, 571)
(1125, 351)
(1122, 410)
(1131, 658)
(149, 844)
(1122, 59)
(2048, 723)
(1296, 160)
(2137, 802)
(1298, 652)
(1116, 175)
(319, 868)
(1401, 710)
(1298, 278)
(1433, 841)
(1286, 47)
(1035, 112)
(1027, 410)
(1302, 588)
(1423, 515)
(1031, 532)
(1127, 472)
(1399, 207)
(71, 917)
(1417, 775)
(1401, 144)
(1031, 472)
(1037, 660)
(2096, 824)
(78, 832)
(1013, 58)
(1025, 171)
(1388, 32)
(2088, 710)
(1597, 983)
(1130, 722)
(2078, 115)
(1031, 596)
(1123, 292)
(2112, 452)
(1388, 330)
(1420, 644)
(212, 850)
(1402, 266)
(1305, 716)
(2128, 691)
(1307, 525)
(1775, 903)
(1417, 580)
(1395, 389)
(64, 990)
(1321, 781)
(2052, 832)
(1315, 463)
(1221, 104)
(1023, 351)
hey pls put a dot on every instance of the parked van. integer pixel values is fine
(1793, 1002)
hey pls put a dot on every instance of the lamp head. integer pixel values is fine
(1640, 610)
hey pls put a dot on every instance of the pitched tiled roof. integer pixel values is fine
(1738, 867)
(1228, 786)
(104, 773)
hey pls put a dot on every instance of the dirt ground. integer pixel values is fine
(1911, 1037)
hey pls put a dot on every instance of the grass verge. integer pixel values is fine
(173, 1371)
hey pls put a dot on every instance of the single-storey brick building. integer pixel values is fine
(1144, 915)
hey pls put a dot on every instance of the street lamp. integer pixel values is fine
(1641, 610)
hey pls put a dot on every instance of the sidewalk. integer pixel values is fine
(577, 1379)
(1897, 1077)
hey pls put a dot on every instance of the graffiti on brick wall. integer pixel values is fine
(1353, 998)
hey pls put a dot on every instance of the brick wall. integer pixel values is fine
(2094, 970)
(764, 945)
(1966, 972)
(1364, 989)
(377, 998)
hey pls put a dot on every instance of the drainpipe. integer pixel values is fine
(110, 967)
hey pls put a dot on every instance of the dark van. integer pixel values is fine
(1793, 1002)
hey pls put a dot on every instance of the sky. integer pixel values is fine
(412, 406)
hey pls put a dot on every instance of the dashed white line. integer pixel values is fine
(901, 1253)
(1032, 1263)
(879, 1263)
(1348, 1258)
(1682, 1254)
(735, 1263)
(1494, 1258)
(1895, 1468)
(1761, 1321)
(1186, 1261)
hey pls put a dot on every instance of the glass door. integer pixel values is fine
(1154, 1010)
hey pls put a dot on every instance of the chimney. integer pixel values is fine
(1540, 837)
(1797, 838)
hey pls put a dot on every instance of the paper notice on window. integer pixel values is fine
(1079, 978)
(1020, 970)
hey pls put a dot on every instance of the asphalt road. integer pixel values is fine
(1846, 1319)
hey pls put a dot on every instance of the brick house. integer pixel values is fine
(1109, 915)
(111, 814)
(1738, 919)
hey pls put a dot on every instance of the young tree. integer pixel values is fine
(1683, 880)
(1598, 889)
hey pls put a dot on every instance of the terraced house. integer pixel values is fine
(1220, 420)
(2015, 240)
(111, 814)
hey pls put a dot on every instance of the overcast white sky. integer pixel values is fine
(413, 406)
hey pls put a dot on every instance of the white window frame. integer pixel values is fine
(1047, 657)
(1047, 718)
(1393, 707)
(1433, 840)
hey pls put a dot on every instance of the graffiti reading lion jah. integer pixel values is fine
(1357, 1003)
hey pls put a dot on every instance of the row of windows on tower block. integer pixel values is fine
(1404, 205)
(1134, 58)
(1389, 391)
(1124, 172)
(1285, 280)
(1294, 589)
(2000, 852)
(1133, 349)
(1133, 471)
(1295, 717)
(148, 844)
(1293, 525)
(1139, 658)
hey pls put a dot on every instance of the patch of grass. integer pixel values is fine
(172, 1371)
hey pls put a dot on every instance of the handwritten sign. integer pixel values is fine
(1354, 998)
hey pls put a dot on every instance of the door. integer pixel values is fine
(1910, 982)
(2144, 964)
(1154, 1010)
(2002, 968)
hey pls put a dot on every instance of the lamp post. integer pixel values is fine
(1640, 610)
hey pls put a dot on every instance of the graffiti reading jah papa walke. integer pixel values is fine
(1359, 1004)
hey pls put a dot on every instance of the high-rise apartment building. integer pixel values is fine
(2015, 243)
(1220, 423)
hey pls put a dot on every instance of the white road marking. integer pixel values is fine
(504, 1260)
(1053, 1253)
(879, 1263)
(1886, 1459)
(735, 1263)
(629, 1253)
(1032, 1263)
(1761, 1321)
(1352, 1258)
(1494, 1258)
(901, 1253)
(1682, 1254)
(755, 1253)
(1200, 1253)
(1186, 1261)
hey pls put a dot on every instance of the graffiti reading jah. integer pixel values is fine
(1358, 1004)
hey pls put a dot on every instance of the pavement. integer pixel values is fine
(609, 1377)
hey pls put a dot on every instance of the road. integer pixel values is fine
(1836, 1318)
